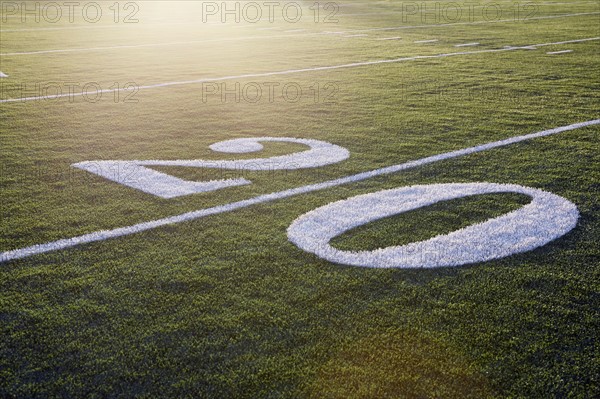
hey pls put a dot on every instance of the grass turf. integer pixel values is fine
(226, 306)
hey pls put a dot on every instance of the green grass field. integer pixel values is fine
(225, 306)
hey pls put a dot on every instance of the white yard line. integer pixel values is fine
(471, 7)
(360, 35)
(473, 22)
(467, 44)
(559, 52)
(389, 38)
(274, 37)
(520, 47)
(225, 39)
(567, 42)
(163, 20)
(133, 25)
(427, 41)
(124, 231)
(290, 71)
(87, 26)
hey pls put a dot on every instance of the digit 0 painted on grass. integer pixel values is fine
(546, 218)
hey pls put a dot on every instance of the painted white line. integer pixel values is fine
(546, 218)
(124, 231)
(568, 41)
(559, 52)
(520, 47)
(162, 21)
(95, 26)
(3, 75)
(273, 37)
(473, 23)
(57, 28)
(144, 25)
(359, 35)
(388, 12)
(553, 3)
(426, 41)
(287, 72)
(466, 44)
(295, 30)
(127, 46)
(389, 38)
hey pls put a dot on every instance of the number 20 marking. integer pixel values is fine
(546, 218)
(136, 174)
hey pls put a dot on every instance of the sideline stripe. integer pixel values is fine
(124, 231)
(291, 71)
(274, 37)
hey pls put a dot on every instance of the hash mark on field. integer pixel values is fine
(3, 75)
(295, 30)
(293, 71)
(427, 41)
(389, 38)
(359, 35)
(466, 45)
(200, 213)
(522, 47)
(559, 52)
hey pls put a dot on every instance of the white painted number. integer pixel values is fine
(136, 174)
(544, 219)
